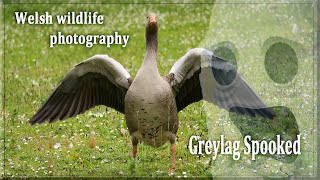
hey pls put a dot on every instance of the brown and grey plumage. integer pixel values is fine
(150, 102)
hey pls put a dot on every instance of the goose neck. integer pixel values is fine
(151, 46)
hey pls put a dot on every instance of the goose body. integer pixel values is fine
(150, 107)
(150, 111)
(151, 102)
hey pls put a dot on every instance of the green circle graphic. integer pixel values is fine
(281, 63)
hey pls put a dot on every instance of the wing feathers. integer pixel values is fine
(217, 81)
(56, 110)
(100, 80)
(264, 112)
(45, 110)
(62, 109)
(86, 100)
(72, 109)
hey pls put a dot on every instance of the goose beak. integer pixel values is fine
(153, 22)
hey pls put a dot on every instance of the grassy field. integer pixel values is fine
(32, 70)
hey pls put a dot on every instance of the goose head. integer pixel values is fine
(151, 25)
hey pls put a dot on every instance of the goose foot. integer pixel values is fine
(171, 171)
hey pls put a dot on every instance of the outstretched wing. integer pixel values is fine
(99, 80)
(201, 75)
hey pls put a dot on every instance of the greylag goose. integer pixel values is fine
(151, 102)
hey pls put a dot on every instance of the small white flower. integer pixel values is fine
(34, 83)
(57, 146)
(70, 145)
(295, 28)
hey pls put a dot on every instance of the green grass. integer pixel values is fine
(32, 70)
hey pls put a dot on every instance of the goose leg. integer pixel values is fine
(173, 153)
(134, 151)
(135, 142)
(173, 160)
(173, 157)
